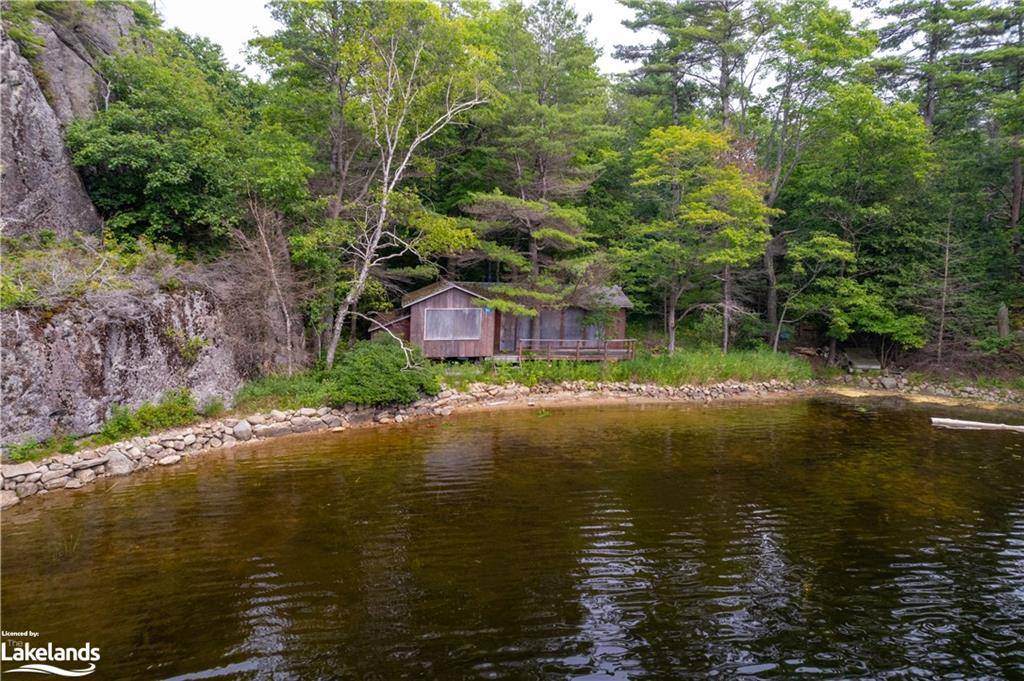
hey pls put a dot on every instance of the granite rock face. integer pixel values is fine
(41, 94)
(75, 40)
(39, 188)
(63, 371)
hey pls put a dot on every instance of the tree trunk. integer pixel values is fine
(1016, 198)
(778, 330)
(534, 270)
(355, 292)
(671, 303)
(352, 330)
(945, 291)
(726, 307)
(772, 299)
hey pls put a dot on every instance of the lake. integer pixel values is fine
(826, 537)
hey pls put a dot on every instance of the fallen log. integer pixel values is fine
(957, 424)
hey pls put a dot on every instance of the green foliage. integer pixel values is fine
(377, 373)
(371, 373)
(213, 409)
(41, 271)
(160, 161)
(175, 408)
(686, 367)
(765, 160)
(32, 450)
(17, 21)
(188, 347)
(993, 345)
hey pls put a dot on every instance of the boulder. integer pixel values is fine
(169, 460)
(8, 498)
(118, 464)
(26, 489)
(57, 483)
(242, 430)
(14, 470)
(54, 474)
(88, 463)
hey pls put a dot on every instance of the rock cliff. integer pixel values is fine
(63, 370)
(63, 367)
(42, 93)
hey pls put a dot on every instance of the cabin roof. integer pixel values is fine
(589, 298)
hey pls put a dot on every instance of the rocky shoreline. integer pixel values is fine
(73, 471)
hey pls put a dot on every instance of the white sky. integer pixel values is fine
(231, 23)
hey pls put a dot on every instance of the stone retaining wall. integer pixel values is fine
(72, 471)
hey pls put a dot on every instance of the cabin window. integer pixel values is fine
(447, 324)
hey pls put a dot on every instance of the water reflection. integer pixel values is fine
(829, 538)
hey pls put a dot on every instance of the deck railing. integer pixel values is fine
(577, 349)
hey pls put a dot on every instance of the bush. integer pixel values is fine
(375, 373)
(371, 373)
(175, 408)
(31, 449)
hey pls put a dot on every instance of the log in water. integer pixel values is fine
(958, 424)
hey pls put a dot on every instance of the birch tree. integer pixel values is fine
(420, 76)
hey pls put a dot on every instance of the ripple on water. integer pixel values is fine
(808, 538)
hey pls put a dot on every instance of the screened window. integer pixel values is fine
(443, 324)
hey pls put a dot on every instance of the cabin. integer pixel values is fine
(452, 319)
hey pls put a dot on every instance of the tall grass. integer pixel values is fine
(686, 367)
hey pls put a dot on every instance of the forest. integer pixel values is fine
(770, 174)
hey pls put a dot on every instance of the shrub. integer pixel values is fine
(375, 373)
(31, 449)
(371, 373)
(213, 409)
(175, 408)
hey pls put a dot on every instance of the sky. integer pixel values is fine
(231, 23)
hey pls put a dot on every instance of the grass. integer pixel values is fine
(983, 381)
(682, 368)
(175, 408)
(35, 449)
(278, 391)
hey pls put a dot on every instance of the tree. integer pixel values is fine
(719, 218)
(160, 160)
(813, 265)
(410, 93)
(705, 51)
(859, 180)
(549, 146)
(314, 60)
(811, 48)
(921, 35)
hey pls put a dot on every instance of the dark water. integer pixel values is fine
(817, 538)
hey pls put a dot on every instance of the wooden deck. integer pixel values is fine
(577, 350)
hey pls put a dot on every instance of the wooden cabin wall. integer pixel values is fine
(564, 324)
(452, 298)
(617, 326)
